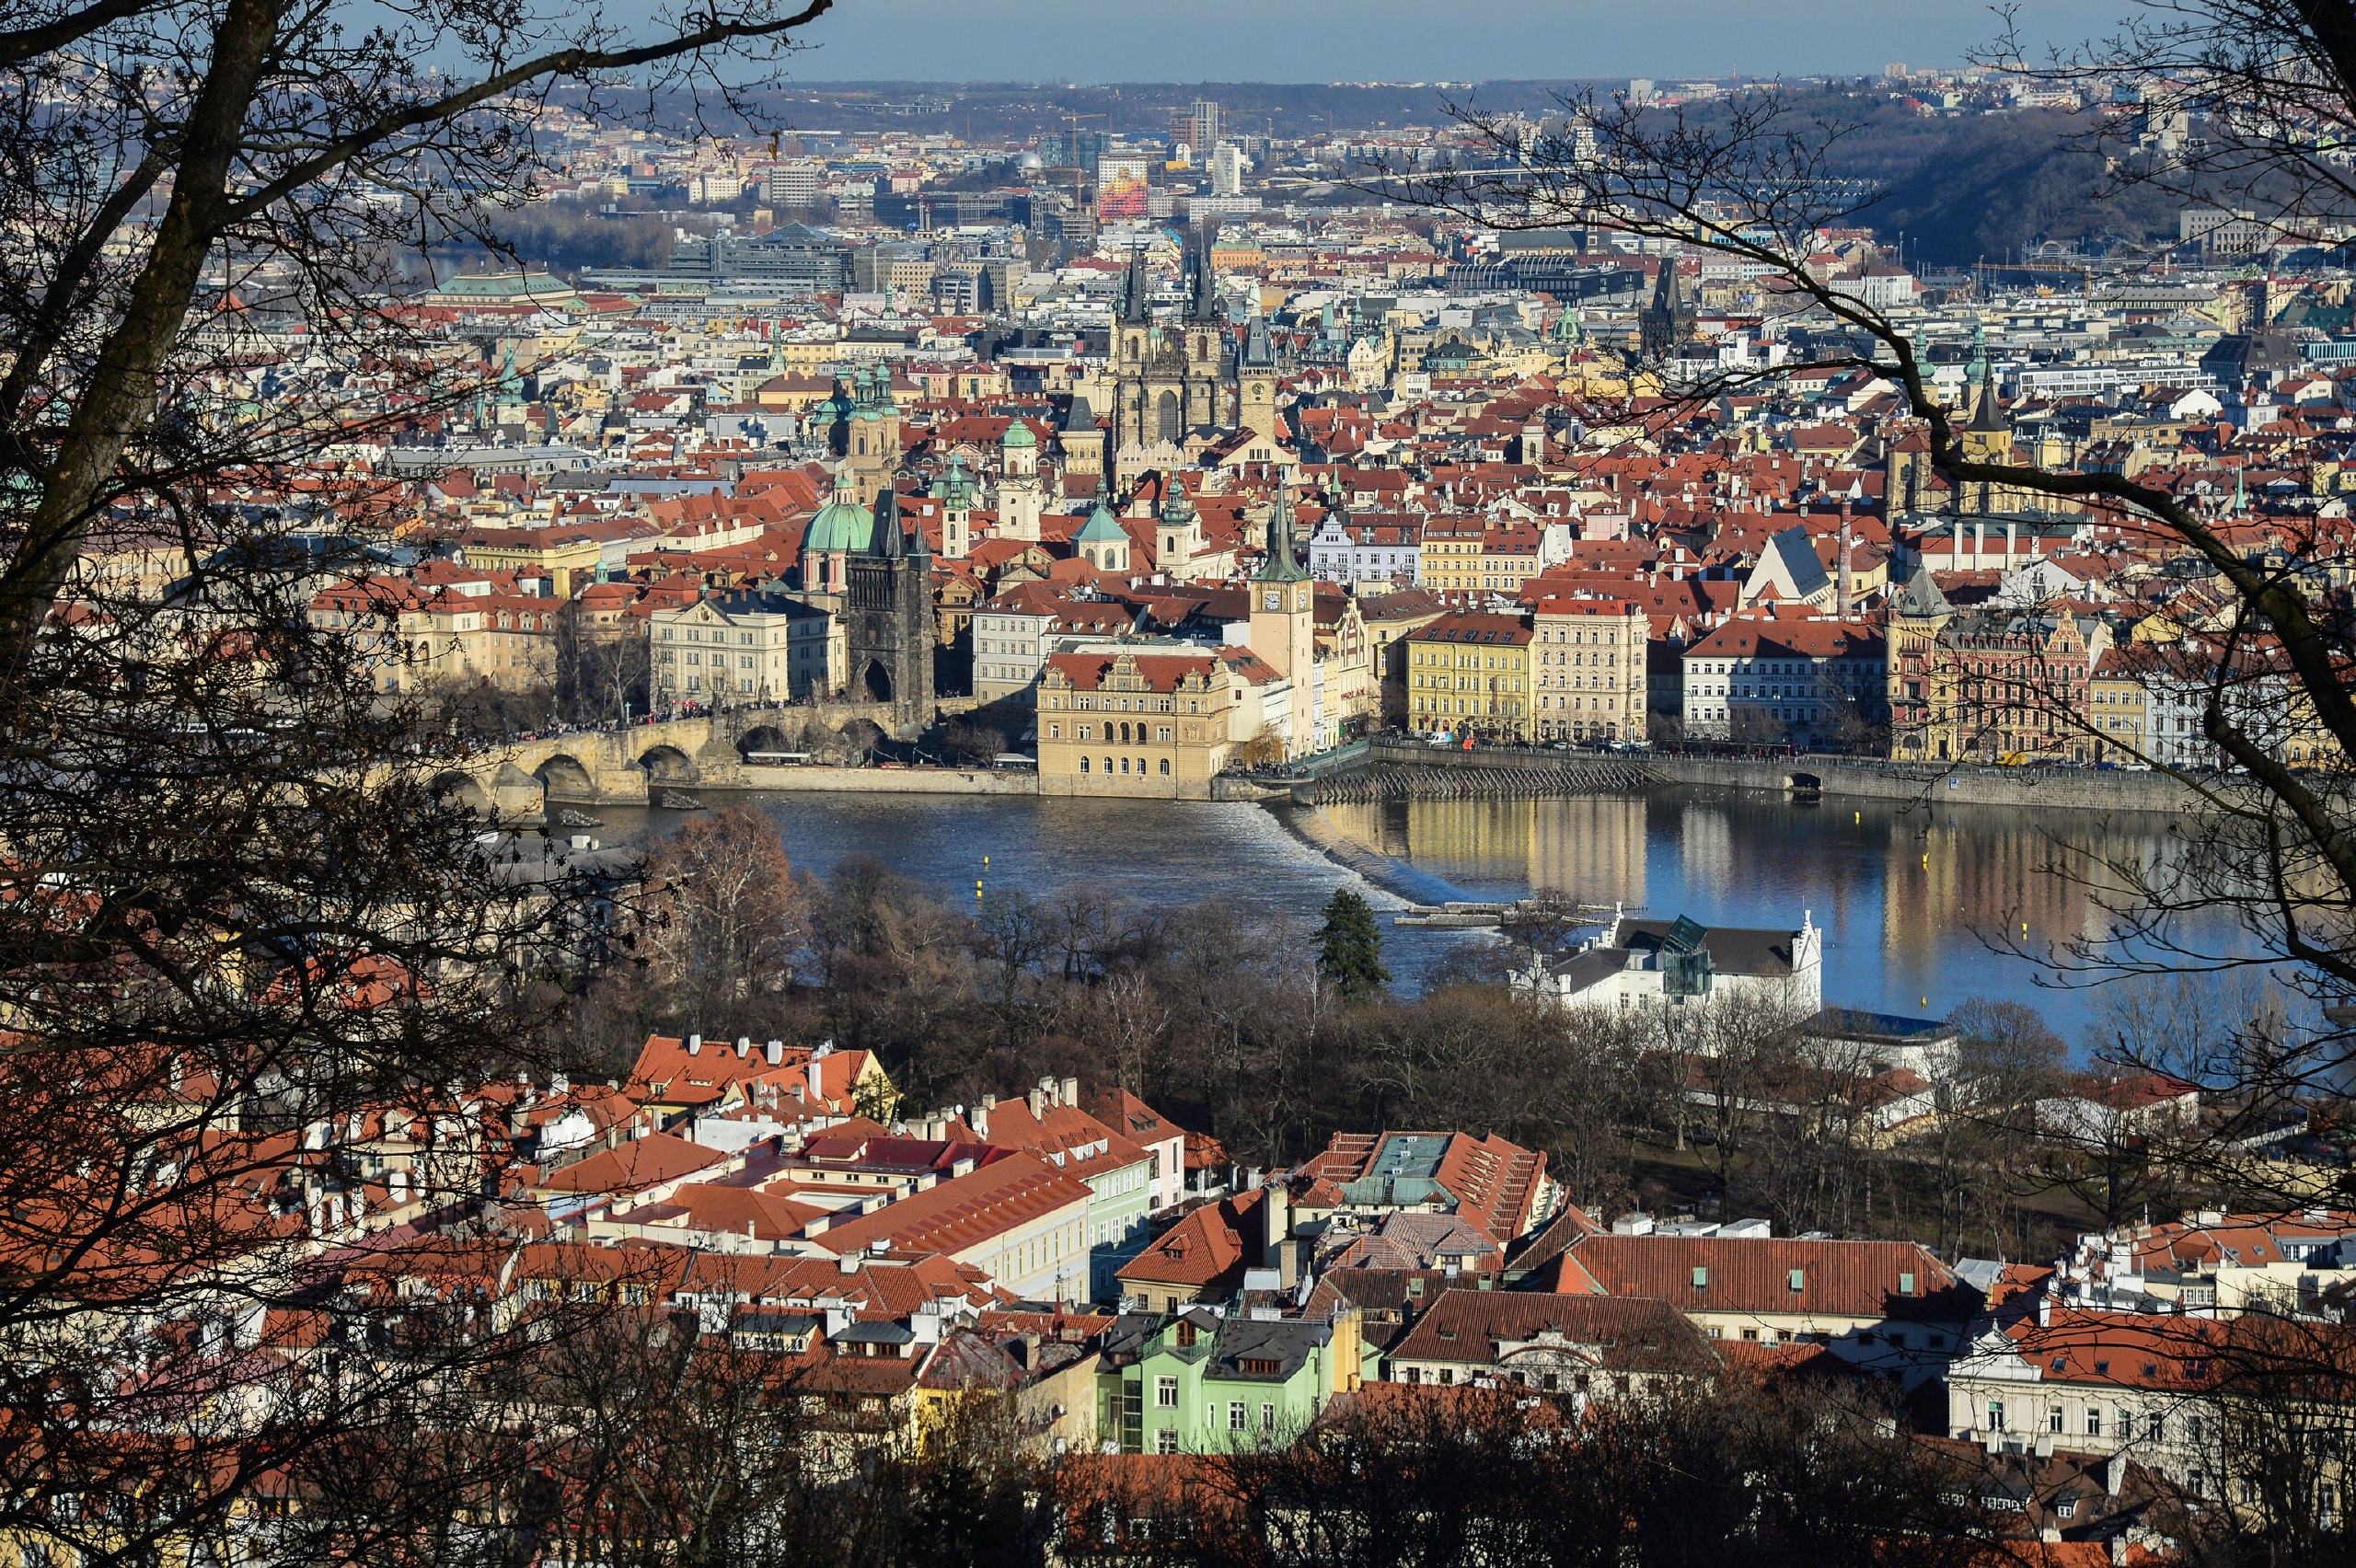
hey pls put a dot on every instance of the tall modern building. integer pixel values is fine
(1203, 127)
(1226, 171)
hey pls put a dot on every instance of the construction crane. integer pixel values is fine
(1071, 146)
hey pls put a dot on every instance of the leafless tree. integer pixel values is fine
(243, 908)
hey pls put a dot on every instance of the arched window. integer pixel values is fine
(1108, 765)
(1165, 767)
(1124, 765)
(1083, 764)
(1140, 767)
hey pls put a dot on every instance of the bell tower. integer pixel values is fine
(1284, 619)
(1020, 497)
(1255, 379)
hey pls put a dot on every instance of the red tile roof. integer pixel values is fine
(962, 1212)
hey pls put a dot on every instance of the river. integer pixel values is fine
(1905, 897)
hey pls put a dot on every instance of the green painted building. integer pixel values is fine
(1195, 1382)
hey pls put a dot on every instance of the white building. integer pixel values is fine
(1680, 961)
(1800, 673)
(748, 646)
(1342, 550)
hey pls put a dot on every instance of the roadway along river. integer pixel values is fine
(1899, 893)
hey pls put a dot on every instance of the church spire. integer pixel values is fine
(1204, 306)
(1280, 566)
(1133, 287)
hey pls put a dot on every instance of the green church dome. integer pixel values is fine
(841, 525)
(1019, 434)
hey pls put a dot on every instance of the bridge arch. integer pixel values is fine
(563, 778)
(763, 738)
(462, 790)
(668, 764)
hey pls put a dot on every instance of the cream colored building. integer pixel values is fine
(1588, 669)
(1156, 724)
(746, 646)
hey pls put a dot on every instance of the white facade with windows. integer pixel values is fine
(743, 646)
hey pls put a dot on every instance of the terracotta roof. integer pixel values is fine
(962, 1212)
(1207, 1247)
(635, 1166)
(1631, 1332)
(1714, 1274)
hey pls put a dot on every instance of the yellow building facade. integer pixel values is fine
(1470, 673)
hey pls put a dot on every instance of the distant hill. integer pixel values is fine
(2000, 182)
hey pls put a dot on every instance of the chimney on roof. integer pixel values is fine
(775, 1051)
(2114, 1473)
(980, 1120)
(743, 1044)
(1071, 1091)
(695, 1043)
(1037, 1100)
(817, 1076)
(1276, 1222)
(1848, 590)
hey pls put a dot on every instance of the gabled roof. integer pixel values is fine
(1712, 1274)
(1618, 1332)
(1207, 1249)
(962, 1212)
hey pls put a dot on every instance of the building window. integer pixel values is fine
(1267, 1418)
(1165, 1442)
(2053, 1418)
(1166, 1393)
(1238, 1415)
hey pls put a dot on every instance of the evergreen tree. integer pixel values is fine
(1350, 948)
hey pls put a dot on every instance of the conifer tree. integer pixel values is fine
(1349, 947)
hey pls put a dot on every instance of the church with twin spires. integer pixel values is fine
(1178, 385)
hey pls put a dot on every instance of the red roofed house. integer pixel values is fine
(1019, 1218)
(2106, 1382)
(1889, 1306)
(1204, 1256)
(1495, 1185)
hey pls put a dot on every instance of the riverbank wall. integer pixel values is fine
(872, 781)
(1862, 779)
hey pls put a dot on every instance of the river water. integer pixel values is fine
(1908, 897)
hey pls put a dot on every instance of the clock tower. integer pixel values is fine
(1283, 621)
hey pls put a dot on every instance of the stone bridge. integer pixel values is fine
(635, 764)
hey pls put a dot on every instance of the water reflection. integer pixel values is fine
(1911, 897)
(1899, 893)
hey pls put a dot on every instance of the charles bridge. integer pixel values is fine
(637, 764)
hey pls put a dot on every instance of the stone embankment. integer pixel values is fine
(885, 781)
(1865, 778)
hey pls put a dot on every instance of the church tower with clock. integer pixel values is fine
(1283, 622)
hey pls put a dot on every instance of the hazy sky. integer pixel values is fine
(1321, 40)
